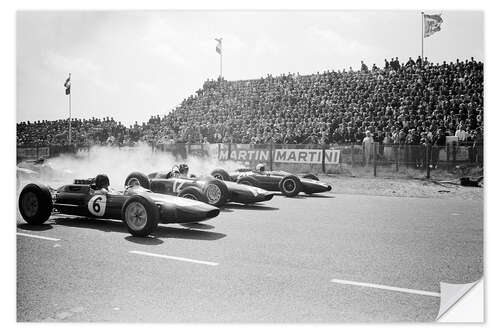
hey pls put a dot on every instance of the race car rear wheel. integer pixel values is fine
(220, 174)
(35, 203)
(311, 176)
(141, 215)
(192, 193)
(290, 186)
(216, 192)
(142, 178)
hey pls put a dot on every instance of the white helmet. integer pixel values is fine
(175, 172)
(260, 167)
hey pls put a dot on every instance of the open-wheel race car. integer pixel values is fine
(288, 184)
(140, 208)
(207, 189)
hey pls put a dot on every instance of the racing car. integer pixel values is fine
(40, 168)
(207, 189)
(138, 207)
(285, 182)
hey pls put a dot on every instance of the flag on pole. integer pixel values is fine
(218, 48)
(432, 24)
(67, 85)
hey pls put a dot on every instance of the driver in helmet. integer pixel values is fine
(183, 170)
(260, 168)
(177, 171)
(101, 185)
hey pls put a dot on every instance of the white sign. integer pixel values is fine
(309, 156)
(306, 156)
(97, 205)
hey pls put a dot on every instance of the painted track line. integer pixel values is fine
(36, 236)
(175, 258)
(381, 286)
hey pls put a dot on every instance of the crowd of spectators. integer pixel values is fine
(84, 132)
(407, 103)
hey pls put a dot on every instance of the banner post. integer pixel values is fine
(397, 157)
(323, 151)
(271, 156)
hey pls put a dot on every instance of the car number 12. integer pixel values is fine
(97, 205)
(176, 186)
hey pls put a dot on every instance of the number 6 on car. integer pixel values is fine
(97, 205)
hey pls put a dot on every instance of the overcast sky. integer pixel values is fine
(131, 65)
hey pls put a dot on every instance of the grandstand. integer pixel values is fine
(408, 103)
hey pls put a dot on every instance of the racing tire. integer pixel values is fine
(142, 178)
(220, 174)
(141, 215)
(35, 204)
(192, 193)
(290, 186)
(248, 181)
(216, 192)
(311, 176)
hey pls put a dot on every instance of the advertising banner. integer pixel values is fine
(306, 156)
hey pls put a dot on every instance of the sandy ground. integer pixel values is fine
(393, 187)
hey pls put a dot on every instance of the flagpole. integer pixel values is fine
(220, 54)
(422, 37)
(69, 134)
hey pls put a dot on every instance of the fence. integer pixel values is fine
(373, 158)
(335, 158)
(30, 152)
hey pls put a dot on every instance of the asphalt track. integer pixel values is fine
(269, 263)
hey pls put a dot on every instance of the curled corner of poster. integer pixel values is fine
(462, 303)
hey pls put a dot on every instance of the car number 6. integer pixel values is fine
(97, 205)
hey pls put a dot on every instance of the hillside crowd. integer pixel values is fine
(409, 103)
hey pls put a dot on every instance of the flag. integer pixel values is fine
(432, 24)
(218, 48)
(67, 85)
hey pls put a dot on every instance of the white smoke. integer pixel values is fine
(117, 163)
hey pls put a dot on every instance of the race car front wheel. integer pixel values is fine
(290, 186)
(35, 203)
(220, 174)
(141, 215)
(216, 192)
(142, 178)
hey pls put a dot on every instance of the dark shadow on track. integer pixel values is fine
(144, 240)
(318, 196)
(197, 225)
(42, 227)
(162, 231)
(304, 196)
(250, 207)
(299, 196)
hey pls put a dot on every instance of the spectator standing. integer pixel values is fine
(367, 144)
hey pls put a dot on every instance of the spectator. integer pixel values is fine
(461, 134)
(364, 68)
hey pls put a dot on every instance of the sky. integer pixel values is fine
(130, 65)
